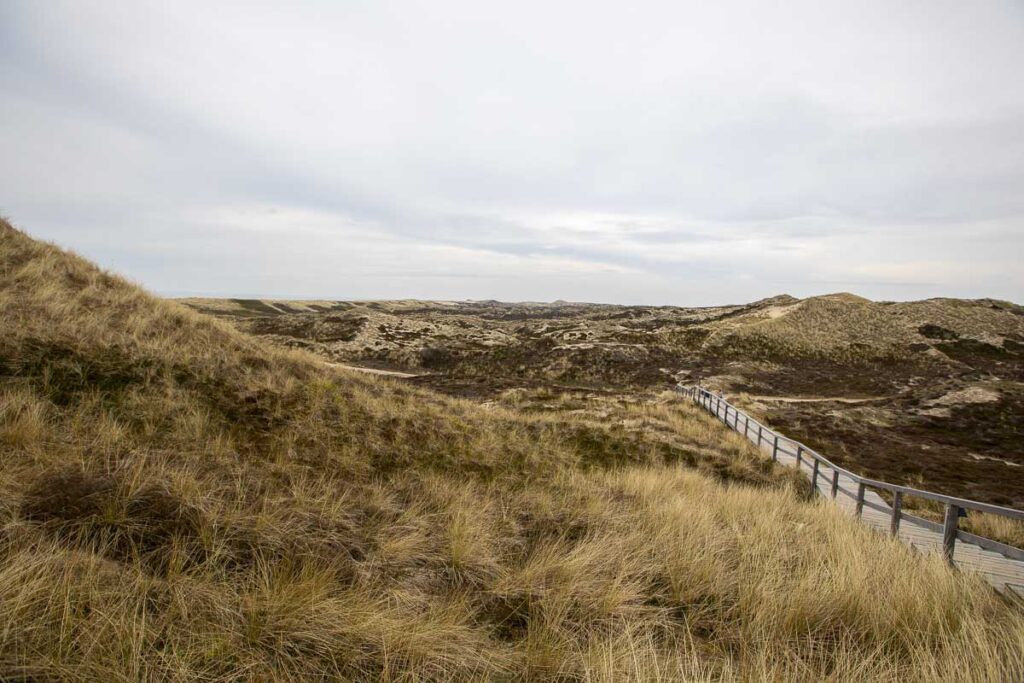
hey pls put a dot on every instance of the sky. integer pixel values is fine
(670, 153)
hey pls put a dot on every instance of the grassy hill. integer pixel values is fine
(182, 501)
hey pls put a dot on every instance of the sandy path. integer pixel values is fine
(376, 371)
(817, 399)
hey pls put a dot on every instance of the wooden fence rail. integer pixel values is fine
(830, 480)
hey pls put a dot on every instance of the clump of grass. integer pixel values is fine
(22, 418)
(180, 501)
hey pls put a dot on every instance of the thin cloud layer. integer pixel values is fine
(671, 153)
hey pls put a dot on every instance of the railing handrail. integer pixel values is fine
(876, 483)
(953, 506)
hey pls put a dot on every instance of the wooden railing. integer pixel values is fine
(760, 434)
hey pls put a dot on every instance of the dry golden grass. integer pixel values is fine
(181, 502)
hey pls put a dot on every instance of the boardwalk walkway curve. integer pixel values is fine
(1000, 564)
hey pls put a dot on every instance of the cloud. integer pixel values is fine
(658, 152)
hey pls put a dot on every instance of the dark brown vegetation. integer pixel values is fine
(182, 501)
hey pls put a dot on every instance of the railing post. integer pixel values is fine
(746, 425)
(897, 504)
(814, 477)
(759, 426)
(949, 525)
(775, 449)
(835, 482)
(799, 456)
(860, 499)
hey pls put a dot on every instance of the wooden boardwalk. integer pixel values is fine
(1003, 570)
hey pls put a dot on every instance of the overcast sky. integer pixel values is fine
(634, 152)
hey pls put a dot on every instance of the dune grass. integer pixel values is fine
(179, 501)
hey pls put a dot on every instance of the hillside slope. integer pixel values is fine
(180, 501)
